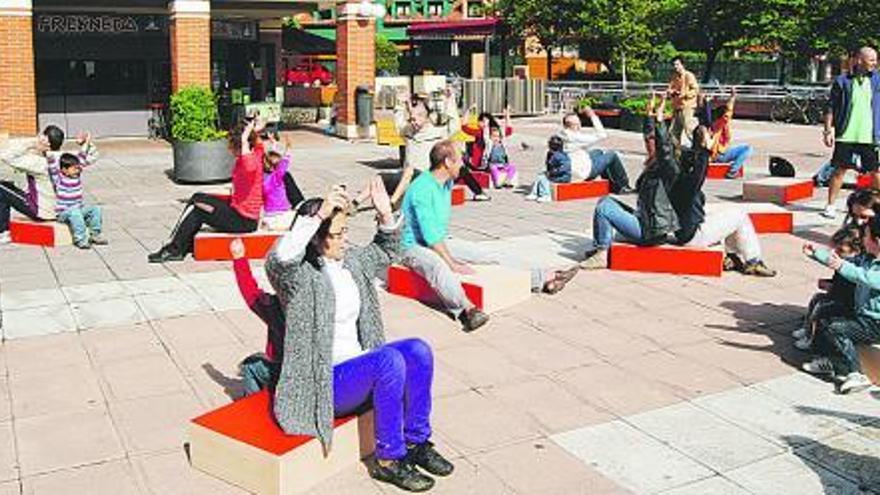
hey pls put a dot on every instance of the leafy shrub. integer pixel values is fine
(637, 105)
(387, 55)
(194, 115)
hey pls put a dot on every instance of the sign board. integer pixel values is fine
(235, 30)
(99, 24)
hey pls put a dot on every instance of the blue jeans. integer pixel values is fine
(82, 221)
(611, 215)
(736, 156)
(608, 165)
(396, 378)
(541, 187)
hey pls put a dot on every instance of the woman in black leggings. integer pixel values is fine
(240, 214)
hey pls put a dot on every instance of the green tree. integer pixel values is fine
(387, 55)
(552, 23)
(707, 26)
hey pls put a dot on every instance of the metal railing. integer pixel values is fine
(562, 96)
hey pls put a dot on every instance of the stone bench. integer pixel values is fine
(779, 190)
(484, 179)
(214, 246)
(491, 288)
(243, 445)
(595, 188)
(719, 171)
(676, 260)
(34, 233)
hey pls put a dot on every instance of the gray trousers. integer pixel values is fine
(447, 283)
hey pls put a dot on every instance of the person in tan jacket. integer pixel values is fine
(683, 91)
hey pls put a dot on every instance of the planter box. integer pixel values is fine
(294, 116)
(299, 96)
(202, 162)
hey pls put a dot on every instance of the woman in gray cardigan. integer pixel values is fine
(336, 360)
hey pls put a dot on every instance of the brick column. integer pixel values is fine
(190, 33)
(355, 66)
(18, 93)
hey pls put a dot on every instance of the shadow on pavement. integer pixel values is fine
(232, 387)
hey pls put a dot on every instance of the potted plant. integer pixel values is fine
(635, 109)
(201, 153)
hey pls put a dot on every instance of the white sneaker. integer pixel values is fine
(830, 211)
(854, 382)
(819, 366)
(5, 238)
(597, 261)
(532, 197)
(544, 199)
(799, 333)
(803, 343)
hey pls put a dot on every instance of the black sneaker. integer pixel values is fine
(401, 474)
(732, 263)
(167, 253)
(758, 269)
(425, 456)
(472, 319)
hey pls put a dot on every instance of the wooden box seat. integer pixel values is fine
(491, 288)
(595, 188)
(242, 444)
(214, 246)
(34, 233)
(719, 171)
(779, 190)
(666, 259)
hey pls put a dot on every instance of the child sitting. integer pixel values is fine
(84, 221)
(837, 298)
(280, 192)
(259, 371)
(558, 171)
(496, 159)
(838, 337)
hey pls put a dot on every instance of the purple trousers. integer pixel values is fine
(396, 378)
(496, 169)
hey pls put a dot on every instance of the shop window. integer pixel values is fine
(435, 9)
(403, 9)
(91, 77)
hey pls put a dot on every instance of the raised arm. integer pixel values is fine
(385, 248)
(88, 152)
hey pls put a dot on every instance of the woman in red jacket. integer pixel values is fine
(241, 214)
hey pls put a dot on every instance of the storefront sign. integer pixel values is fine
(235, 30)
(98, 24)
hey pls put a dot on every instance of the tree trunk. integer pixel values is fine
(782, 74)
(711, 57)
(549, 63)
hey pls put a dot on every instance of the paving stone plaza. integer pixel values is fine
(622, 383)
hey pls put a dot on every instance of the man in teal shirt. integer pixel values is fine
(852, 123)
(426, 210)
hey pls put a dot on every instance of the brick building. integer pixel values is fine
(101, 64)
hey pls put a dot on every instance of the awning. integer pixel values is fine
(468, 28)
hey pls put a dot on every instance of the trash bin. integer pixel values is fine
(363, 106)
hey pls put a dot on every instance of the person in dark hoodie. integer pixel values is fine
(731, 226)
(654, 217)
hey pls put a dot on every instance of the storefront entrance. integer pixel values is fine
(100, 72)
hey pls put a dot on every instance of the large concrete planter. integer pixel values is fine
(202, 162)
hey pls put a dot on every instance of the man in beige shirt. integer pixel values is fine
(683, 90)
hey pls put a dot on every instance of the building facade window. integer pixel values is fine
(402, 9)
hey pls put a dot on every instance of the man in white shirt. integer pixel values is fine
(587, 162)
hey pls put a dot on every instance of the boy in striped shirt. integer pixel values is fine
(84, 220)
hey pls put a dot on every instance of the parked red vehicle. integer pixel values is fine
(308, 73)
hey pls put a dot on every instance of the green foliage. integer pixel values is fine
(194, 115)
(387, 55)
(588, 101)
(638, 105)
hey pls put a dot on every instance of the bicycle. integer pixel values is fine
(797, 109)
(157, 124)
